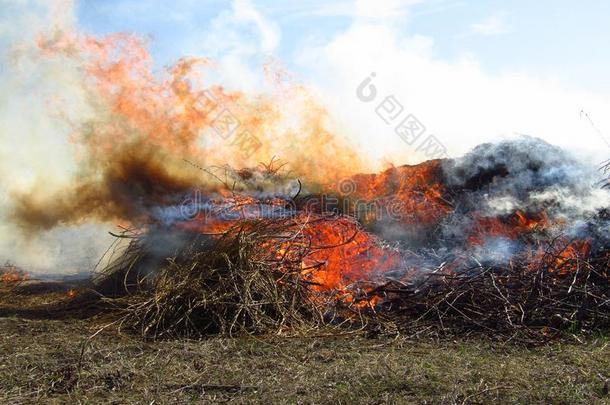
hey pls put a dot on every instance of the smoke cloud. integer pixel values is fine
(35, 154)
(93, 137)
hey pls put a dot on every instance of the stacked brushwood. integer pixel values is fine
(515, 300)
(230, 283)
(249, 279)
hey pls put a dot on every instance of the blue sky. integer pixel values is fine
(562, 39)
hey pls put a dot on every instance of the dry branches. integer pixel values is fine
(504, 301)
(232, 283)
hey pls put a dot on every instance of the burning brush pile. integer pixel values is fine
(512, 237)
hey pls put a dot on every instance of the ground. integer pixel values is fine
(58, 361)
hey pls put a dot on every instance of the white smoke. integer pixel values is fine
(530, 176)
(39, 97)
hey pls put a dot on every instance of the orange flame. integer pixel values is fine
(563, 257)
(11, 274)
(132, 148)
(411, 194)
(511, 227)
(132, 152)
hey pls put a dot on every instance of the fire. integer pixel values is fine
(510, 227)
(410, 194)
(345, 263)
(151, 141)
(10, 274)
(339, 254)
(133, 147)
(342, 254)
(562, 257)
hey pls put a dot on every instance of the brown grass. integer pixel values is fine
(44, 361)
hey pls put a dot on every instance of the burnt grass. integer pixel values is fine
(47, 358)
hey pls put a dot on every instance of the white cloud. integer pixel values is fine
(384, 9)
(492, 25)
(458, 101)
(244, 12)
(362, 9)
(239, 40)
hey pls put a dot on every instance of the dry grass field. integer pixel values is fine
(48, 357)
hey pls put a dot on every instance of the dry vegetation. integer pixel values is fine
(49, 355)
(511, 301)
(236, 282)
(57, 362)
(231, 283)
